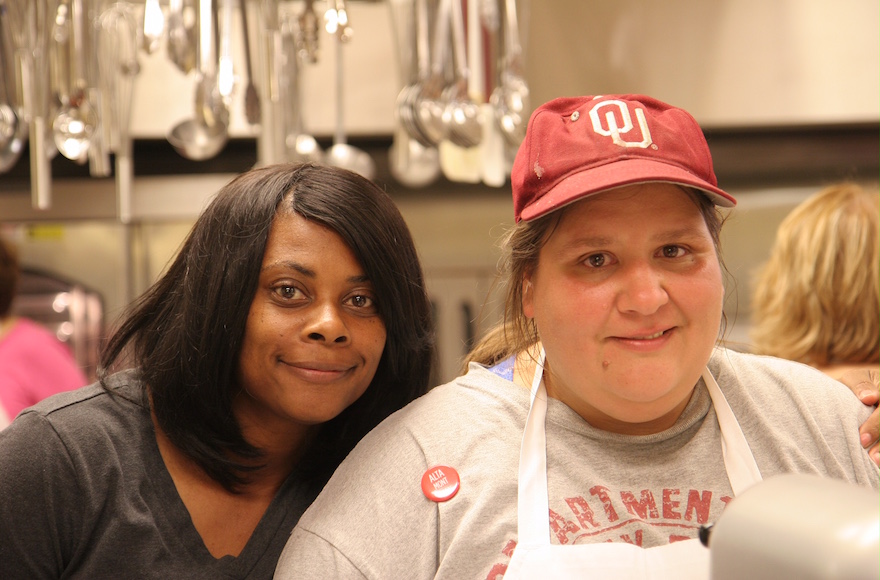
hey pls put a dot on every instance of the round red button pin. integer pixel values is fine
(440, 483)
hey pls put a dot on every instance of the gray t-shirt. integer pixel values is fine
(373, 521)
(84, 493)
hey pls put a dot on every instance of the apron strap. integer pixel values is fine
(533, 503)
(742, 470)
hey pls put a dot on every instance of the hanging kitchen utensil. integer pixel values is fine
(154, 26)
(300, 145)
(405, 107)
(11, 142)
(99, 150)
(33, 25)
(462, 115)
(428, 103)
(60, 56)
(205, 135)
(225, 72)
(12, 40)
(511, 97)
(251, 95)
(494, 167)
(274, 131)
(308, 40)
(118, 65)
(341, 154)
(460, 156)
(410, 162)
(75, 122)
(180, 45)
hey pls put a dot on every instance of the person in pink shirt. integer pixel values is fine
(34, 364)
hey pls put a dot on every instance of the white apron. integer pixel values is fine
(536, 557)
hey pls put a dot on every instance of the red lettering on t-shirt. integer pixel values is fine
(497, 572)
(698, 504)
(582, 511)
(602, 493)
(562, 527)
(644, 508)
(670, 505)
(636, 542)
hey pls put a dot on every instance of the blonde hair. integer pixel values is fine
(817, 299)
(521, 246)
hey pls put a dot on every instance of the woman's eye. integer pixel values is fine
(361, 301)
(287, 292)
(672, 251)
(596, 260)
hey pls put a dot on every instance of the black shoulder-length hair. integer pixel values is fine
(184, 335)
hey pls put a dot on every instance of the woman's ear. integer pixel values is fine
(528, 297)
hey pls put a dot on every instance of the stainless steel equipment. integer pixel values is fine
(798, 526)
(68, 309)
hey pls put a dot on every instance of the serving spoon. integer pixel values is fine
(205, 135)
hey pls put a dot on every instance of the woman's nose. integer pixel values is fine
(325, 324)
(642, 291)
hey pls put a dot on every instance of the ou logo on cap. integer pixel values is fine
(615, 132)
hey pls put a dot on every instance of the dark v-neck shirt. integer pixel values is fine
(84, 493)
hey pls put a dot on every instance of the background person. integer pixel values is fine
(292, 321)
(817, 298)
(34, 364)
(636, 428)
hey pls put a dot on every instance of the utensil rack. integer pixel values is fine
(84, 55)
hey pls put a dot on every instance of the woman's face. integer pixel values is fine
(627, 298)
(313, 337)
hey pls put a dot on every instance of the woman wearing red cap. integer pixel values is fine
(602, 425)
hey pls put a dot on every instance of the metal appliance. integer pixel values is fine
(70, 310)
(798, 526)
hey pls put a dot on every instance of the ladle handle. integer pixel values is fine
(41, 169)
(459, 51)
(441, 38)
(423, 41)
(246, 40)
(225, 79)
(513, 46)
(205, 45)
(78, 18)
(339, 135)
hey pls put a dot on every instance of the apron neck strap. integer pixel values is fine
(533, 504)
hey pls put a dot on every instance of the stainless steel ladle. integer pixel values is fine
(463, 116)
(205, 135)
(76, 120)
(13, 130)
(511, 97)
(341, 154)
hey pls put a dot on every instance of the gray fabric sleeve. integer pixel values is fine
(307, 555)
(371, 520)
(41, 497)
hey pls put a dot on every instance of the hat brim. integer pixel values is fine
(617, 174)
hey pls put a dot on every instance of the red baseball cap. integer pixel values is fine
(578, 146)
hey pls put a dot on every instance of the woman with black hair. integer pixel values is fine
(293, 320)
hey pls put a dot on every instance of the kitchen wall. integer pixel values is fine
(729, 62)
